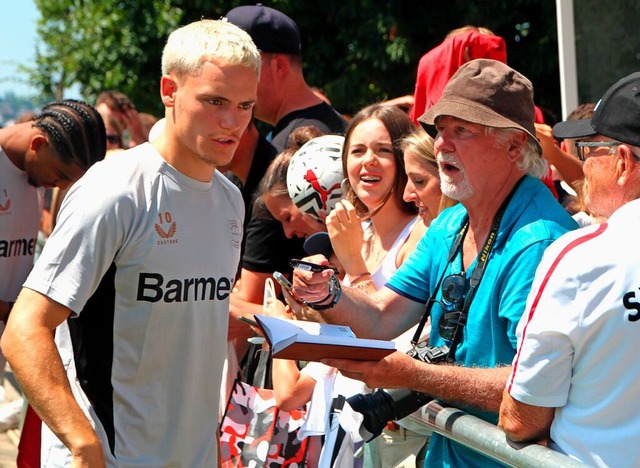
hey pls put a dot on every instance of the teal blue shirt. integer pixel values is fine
(531, 222)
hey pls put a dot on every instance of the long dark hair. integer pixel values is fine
(398, 124)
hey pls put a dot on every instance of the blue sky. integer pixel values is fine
(18, 42)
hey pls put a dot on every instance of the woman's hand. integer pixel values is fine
(347, 238)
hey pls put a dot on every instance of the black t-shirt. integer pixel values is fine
(267, 249)
(262, 157)
(322, 116)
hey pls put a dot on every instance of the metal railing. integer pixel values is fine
(489, 440)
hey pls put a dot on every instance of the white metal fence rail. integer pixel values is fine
(489, 440)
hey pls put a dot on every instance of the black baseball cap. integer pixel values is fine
(616, 116)
(271, 30)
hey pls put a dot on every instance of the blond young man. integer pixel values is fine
(135, 280)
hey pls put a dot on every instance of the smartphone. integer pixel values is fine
(284, 282)
(308, 266)
(247, 320)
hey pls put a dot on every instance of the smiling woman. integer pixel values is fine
(367, 224)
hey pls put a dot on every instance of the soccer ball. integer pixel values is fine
(315, 174)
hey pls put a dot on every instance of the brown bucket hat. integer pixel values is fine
(486, 92)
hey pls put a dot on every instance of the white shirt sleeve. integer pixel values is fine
(542, 367)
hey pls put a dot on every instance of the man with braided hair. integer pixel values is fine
(53, 149)
(136, 276)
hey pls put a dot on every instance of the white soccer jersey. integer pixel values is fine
(578, 340)
(20, 212)
(146, 258)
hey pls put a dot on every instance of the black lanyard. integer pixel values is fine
(476, 275)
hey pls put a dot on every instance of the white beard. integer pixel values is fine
(459, 189)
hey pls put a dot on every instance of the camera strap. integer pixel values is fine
(476, 275)
(478, 271)
(453, 250)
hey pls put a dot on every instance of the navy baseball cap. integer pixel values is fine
(271, 31)
(617, 115)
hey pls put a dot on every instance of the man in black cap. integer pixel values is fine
(286, 102)
(473, 268)
(284, 98)
(574, 382)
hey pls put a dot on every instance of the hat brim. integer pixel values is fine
(318, 243)
(573, 129)
(471, 112)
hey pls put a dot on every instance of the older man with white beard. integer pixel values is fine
(474, 267)
(579, 329)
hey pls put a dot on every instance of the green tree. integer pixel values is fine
(363, 51)
(103, 44)
(357, 51)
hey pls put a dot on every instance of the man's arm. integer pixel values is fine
(246, 300)
(28, 345)
(568, 166)
(523, 423)
(382, 315)
(385, 314)
(473, 386)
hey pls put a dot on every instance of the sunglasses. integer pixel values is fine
(452, 302)
(585, 148)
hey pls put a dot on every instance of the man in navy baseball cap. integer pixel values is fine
(285, 100)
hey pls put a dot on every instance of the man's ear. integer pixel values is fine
(626, 164)
(37, 141)
(280, 65)
(516, 145)
(168, 88)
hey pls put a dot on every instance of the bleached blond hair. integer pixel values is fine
(189, 47)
